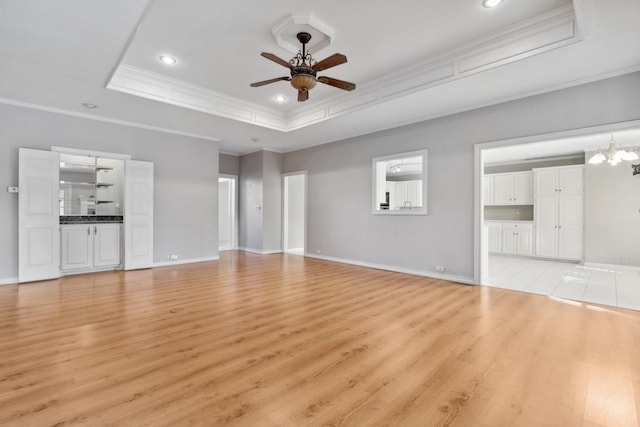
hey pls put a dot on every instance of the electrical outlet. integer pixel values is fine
(12, 189)
(440, 268)
(317, 251)
(172, 257)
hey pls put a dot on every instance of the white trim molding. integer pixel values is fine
(260, 252)
(185, 261)
(9, 281)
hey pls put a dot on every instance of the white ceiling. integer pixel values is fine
(58, 54)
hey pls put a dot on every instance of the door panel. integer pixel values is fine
(106, 245)
(38, 215)
(77, 247)
(502, 186)
(545, 182)
(138, 217)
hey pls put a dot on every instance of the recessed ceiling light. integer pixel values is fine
(89, 105)
(166, 59)
(491, 3)
(280, 99)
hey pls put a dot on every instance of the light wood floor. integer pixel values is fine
(281, 340)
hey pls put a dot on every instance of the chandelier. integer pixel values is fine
(613, 154)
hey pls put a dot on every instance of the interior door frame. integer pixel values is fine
(233, 244)
(285, 226)
(480, 240)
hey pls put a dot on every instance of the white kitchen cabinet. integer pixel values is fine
(495, 237)
(559, 212)
(488, 196)
(515, 188)
(404, 194)
(106, 245)
(89, 246)
(517, 238)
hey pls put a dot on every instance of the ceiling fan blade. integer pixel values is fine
(266, 82)
(332, 61)
(303, 95)
(340, 84)
(277, 60)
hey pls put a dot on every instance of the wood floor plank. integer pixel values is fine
(285, 340)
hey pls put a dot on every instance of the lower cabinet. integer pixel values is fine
(89, 246)
(515, 238)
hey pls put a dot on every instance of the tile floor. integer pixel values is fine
(613, 286)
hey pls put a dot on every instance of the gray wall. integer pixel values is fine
(260, 207)
(185, 188)
(339, 189)
(250, 201)
(272, 188)
(229, 164)
(612, 214)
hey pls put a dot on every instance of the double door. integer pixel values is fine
(89, 246)
(559, 212)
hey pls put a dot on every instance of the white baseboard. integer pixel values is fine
(9, 281)
(259, 252)
(185, 261)
(611, 266)
(423, 273)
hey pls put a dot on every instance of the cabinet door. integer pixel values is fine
(495, 237)
(570, 180)
(509, 239)
(503, 189)
(106, 245)
(77, 246)
(487, 190)
(546, 226)
(413, 193)
(524, 241)
(38, 215)
(570, 211)
(545, 182)
(523, 188)
(401, 194)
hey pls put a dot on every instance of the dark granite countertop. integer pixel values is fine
(90, 219)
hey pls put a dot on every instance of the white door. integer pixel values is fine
(546, 227)
(38, 215)
(570, 226)
(227, 216)
(77, 246)
(294, 212)
(138, 215)
(503, 189)
(106, 245)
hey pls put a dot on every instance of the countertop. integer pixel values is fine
(90, 219)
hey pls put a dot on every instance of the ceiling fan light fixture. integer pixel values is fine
(631, 156)
(303, 82)
(597, 158)
(491, 3)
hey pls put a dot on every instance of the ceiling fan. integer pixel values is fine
(304, 70)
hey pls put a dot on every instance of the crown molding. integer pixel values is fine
(548, 31)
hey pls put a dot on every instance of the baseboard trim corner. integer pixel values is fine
(422, 273)
(260, 252)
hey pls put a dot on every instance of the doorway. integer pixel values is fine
(227, 212)
(294, 212)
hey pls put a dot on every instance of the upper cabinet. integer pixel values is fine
(515, 188)
(563, 180)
